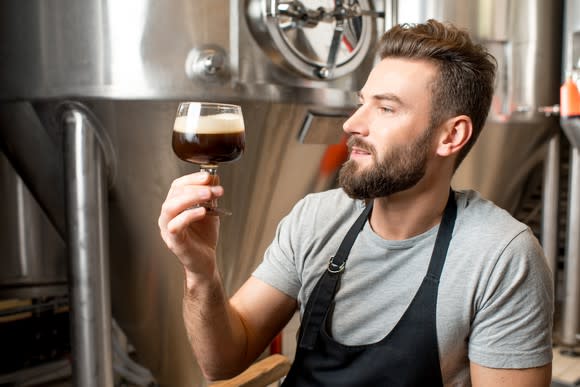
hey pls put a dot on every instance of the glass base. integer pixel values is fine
(217, 211)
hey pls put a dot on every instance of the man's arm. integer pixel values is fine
(511, 332)
(227, 336)
(526, 377)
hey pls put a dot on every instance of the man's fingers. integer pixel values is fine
(182, 205)
(184, 219)
(196, 178)
(189, 196)
(180, 201)
(186, 198)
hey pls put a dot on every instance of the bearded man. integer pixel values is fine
(441, 287)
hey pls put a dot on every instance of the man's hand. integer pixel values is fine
(226, 336)
(186, 229)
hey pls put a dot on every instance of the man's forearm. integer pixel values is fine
(215, 330)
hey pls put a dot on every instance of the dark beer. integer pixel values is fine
(209, 139)
(208, 148)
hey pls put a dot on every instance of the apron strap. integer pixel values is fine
(327, 286)
(337, 263)
(443, 239)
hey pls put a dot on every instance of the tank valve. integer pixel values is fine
(208, 62)
(553, 110)
(322, 72)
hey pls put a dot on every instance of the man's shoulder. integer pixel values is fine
(483, 218)
(325, 208)
(332, 200)
(484, 211)
(332, 194)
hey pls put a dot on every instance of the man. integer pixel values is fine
(440, 287)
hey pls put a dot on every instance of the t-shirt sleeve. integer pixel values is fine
(278, 268)
(512, 326)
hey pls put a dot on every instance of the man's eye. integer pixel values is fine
(385, 109)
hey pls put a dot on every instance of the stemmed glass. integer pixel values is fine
(206, 134)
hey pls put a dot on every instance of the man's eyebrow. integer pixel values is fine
(383, 97)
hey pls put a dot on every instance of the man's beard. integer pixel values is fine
(400, 169)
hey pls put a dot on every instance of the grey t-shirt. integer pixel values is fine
(495, 300)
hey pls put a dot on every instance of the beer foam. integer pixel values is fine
(217, 123)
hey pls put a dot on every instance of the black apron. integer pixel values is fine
(407, 356)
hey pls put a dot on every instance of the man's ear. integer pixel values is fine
(455, 133)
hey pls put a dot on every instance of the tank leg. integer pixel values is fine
(86, 205)
(572, 263)
(550, 199)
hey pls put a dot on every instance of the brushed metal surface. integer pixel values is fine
(131, 48)
(87, 237)
(146, 280)
(571, 36)
(33, 253)
(305, 45)
(126, 61)
(571, 306)
(570, 320)
(525, 38)
(37, 160)
(141, 49)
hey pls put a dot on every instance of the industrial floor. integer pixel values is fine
(565, 369)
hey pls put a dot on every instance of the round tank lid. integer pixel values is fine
(319, 39)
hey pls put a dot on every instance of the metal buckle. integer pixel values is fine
(334, 268)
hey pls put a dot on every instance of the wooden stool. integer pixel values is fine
(260, 374)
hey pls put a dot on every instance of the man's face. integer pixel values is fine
(390, 139)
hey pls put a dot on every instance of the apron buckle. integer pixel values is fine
(334, 268)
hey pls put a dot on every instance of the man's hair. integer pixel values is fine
(466, 71)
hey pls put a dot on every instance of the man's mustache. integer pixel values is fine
(359, 143)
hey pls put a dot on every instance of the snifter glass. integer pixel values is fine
(206, 134)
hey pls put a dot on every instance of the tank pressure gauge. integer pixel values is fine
(320, 39)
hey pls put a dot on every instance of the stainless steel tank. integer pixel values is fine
(129, 63)
(524, 37)
(93, 87)
(569, 327)
(33, 254)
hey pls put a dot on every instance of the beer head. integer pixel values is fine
(209, 124)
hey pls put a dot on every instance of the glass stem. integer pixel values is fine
(214, 179)
(209, 168)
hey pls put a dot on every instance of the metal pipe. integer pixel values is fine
(572, 263)
(86, 204)
(550, 196)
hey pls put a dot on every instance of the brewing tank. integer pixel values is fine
(116, 71)
(525, 39)
(125, 66)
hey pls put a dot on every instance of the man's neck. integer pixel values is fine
(408, 213)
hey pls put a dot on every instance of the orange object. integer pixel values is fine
(333, 157)
(569, 99)
(276, 345)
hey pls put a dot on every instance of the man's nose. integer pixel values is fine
(357, 123)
